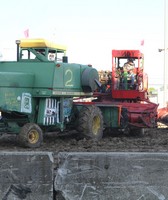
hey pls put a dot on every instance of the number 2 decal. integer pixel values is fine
(69, 75)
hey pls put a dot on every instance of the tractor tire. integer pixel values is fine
(124, 118)
(134, 131)
(31, 136)
(90, 122)
(137, 131)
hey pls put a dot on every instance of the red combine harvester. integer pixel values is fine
(127, 86)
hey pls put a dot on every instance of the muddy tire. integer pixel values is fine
(137, 131)
(134, 131)
(90, 122)
(31, 136)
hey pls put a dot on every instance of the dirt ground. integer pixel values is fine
(152, 140)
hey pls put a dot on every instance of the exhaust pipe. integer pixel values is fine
(18, 43)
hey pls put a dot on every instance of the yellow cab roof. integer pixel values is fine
(40, 43)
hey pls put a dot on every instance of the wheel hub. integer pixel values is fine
(33, 136)
(96, 125)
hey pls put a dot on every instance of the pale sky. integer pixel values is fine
(89, 28)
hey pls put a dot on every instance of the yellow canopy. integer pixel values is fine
(40, 43)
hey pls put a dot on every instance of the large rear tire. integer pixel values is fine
(31, 135)
(134, 131)
(138, 131)
(90, 122)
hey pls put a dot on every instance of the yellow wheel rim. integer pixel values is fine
(33, 136)
(96, 125)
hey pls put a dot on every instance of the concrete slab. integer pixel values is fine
(26, 175)
(112, 176)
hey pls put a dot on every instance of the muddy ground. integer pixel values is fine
(152, 140)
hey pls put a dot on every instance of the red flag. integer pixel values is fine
(142, 42)
(26, 33)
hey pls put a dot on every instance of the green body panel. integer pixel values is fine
(43, 72)
(16, 79)
(110, 116)
(68, 77)
(41, 111)
(16, 99)
(49, 79)
(15, 91)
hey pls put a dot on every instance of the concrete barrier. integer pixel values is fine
(112, 176)
(26, 175)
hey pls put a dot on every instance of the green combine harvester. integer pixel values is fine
(37, 94)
